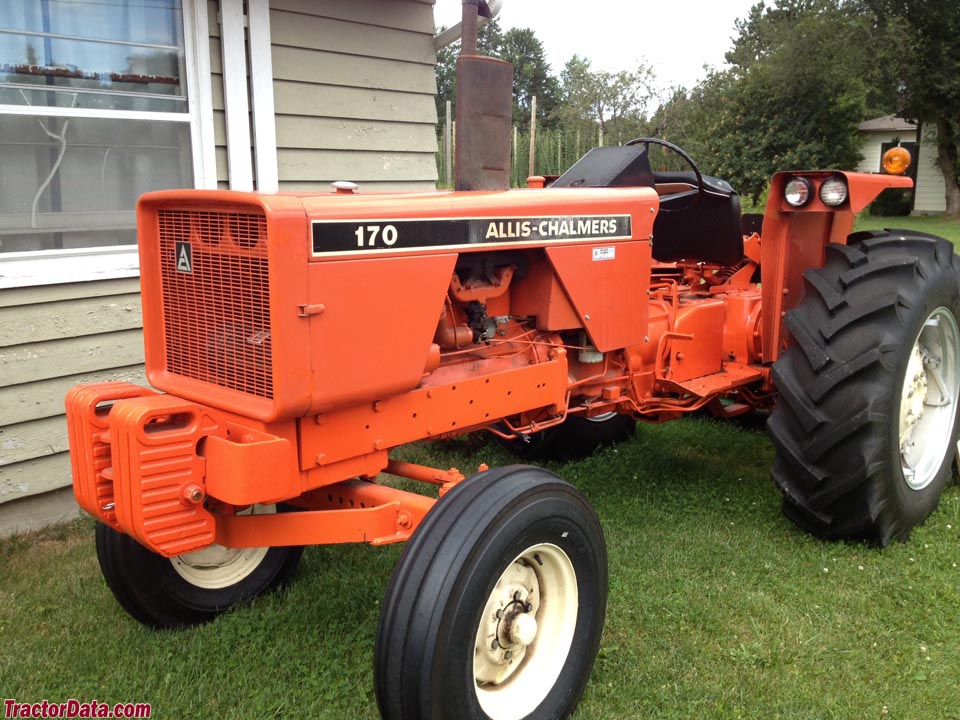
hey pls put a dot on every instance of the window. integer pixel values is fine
(93, 113)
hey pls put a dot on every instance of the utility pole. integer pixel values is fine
(448, 148)
(533, 133)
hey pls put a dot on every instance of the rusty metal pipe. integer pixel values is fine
(468, 27)
(484, 110)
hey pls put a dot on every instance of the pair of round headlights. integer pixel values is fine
(799, 191)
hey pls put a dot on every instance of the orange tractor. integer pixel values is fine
(296, 340)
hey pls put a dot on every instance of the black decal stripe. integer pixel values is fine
(364, 236)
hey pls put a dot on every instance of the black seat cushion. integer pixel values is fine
(704, 229)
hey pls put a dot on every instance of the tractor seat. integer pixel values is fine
(704, 229)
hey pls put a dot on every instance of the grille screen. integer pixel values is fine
(216, 298)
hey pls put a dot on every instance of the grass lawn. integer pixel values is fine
(718, 608)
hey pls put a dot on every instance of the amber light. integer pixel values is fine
(896, 160)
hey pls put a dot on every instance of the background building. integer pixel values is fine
(885, 132)
(102, 100)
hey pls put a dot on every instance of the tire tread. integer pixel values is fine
(837, 383)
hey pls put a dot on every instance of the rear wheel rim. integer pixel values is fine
(603, 417)
(525, 632)
(928, 399)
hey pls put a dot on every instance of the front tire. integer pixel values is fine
(865, 428)
(193, 588)
(496, 606)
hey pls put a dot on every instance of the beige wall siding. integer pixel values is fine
(51, 338)
(354, 93)
(37, 511)
(871, 148)
(931, 191)
(348, 76)
(216, 85)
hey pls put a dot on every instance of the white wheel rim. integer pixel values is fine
(928, 399)
(525, 632)
(217, 567)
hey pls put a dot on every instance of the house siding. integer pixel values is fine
(348, 76)
(870, 152)
(931, 190)
(52, 338)
(353, 91)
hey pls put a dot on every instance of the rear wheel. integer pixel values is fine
(192, 588)
(866, 424)
(576, 437)
(496, 605)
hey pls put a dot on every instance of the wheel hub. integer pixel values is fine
(506, 626)
(523, 629)
(525, 632)
(911, 406)
(928, 400)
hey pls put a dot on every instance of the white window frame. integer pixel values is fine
(248, 91)
(51, 267)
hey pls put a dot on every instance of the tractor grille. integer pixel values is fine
(216, 298)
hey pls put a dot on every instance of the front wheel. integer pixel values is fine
(497, 604)
(866, 424)
(192, 588)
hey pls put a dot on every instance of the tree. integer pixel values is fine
(802, 78)
(531, 76)
(531, 72)
(615, 102)
(927, 35)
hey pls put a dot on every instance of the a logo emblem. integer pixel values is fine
(184, 257)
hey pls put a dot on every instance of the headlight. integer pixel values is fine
(833, 192)
(798, 192)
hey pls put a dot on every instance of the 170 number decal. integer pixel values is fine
(367, 235)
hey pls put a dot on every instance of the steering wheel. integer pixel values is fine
(694, 194)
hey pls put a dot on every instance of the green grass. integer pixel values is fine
(718, 607)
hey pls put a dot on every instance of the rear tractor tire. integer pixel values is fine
(575, 438)
(192, 588)
(496, 606)
(865, 428)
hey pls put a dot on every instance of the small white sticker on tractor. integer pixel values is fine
(604, 253)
